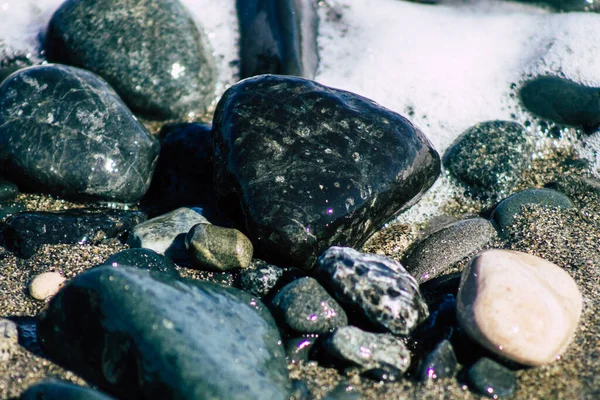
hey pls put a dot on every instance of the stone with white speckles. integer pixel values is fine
(9, 339)
(64, 131)
(519, 306)
(46, 285)
(314, 166)
(378, 286)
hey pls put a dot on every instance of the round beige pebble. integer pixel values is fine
(45, 285)
(519, 306)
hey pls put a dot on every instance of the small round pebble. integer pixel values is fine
(217, 248)
(9, 339)
(46, 285)
(519, 306)
(491, 379)
(305, 307)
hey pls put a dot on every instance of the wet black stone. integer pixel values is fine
(144, 259)
(437, 252)
(304, 306)
(8, 208)
(53, 389)
(491, 379)
(152, 53)
(562, 101)
(378, 286)
(441, 325)
(138, 335)
(490, 157)
(184, 172)
(312, 166)
(8, 190)
(384, 373)
(25, 232)
(260, 278)
(440, 363)
(278, 37)
(299, 348)
(506, 211)
(64, 131)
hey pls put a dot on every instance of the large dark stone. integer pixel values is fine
(562, 101)
(25, 232)
(151, 52)
(52, 389)
(278, 37)
(314, 166)
(64, 131)
(138, 335)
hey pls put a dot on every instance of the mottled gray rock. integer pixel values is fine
(141, 335)
(216, 248)
(368, 350)
(438, 251)
(278, 37)
(9, 339)
(491, 379)
(52, 389)
(440, 363)
(506, 211)
(64, 131)
(312, 166)
(165, 234)
(151, 52)
(305, 307)
(490, 157)
(380, 287)
(143, 258)
(260, 278)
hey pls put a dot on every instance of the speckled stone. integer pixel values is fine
(380, 287)
(313, 166)
(64, 131)
(216, 248)
(519, 306)
(490, 157)
(152, 53)
(505, 212)
(9, 339)
(260, 278)
(438, 251)
(368, 350)
(304, 306)
(141, 335)
(8, 190)
(440, 363)
(52, 389)
(562, 100)
(46, 285)
(165, 234)
(145, 259)
(25, 232)
(278, 37)
(491, 379)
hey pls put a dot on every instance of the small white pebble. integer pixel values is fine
(46, 285)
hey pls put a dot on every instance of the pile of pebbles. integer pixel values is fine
(232, 259)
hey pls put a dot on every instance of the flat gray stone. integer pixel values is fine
(165, 234)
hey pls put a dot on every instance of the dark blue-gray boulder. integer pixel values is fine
(64, 131)
(139, 335)
(151, 52)
(313, 166)
(278, 37)
(52, 389)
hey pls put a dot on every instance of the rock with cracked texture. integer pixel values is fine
(151, 52)
(378, 286)
(519, 306)
(314, 166)
(64, 131)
